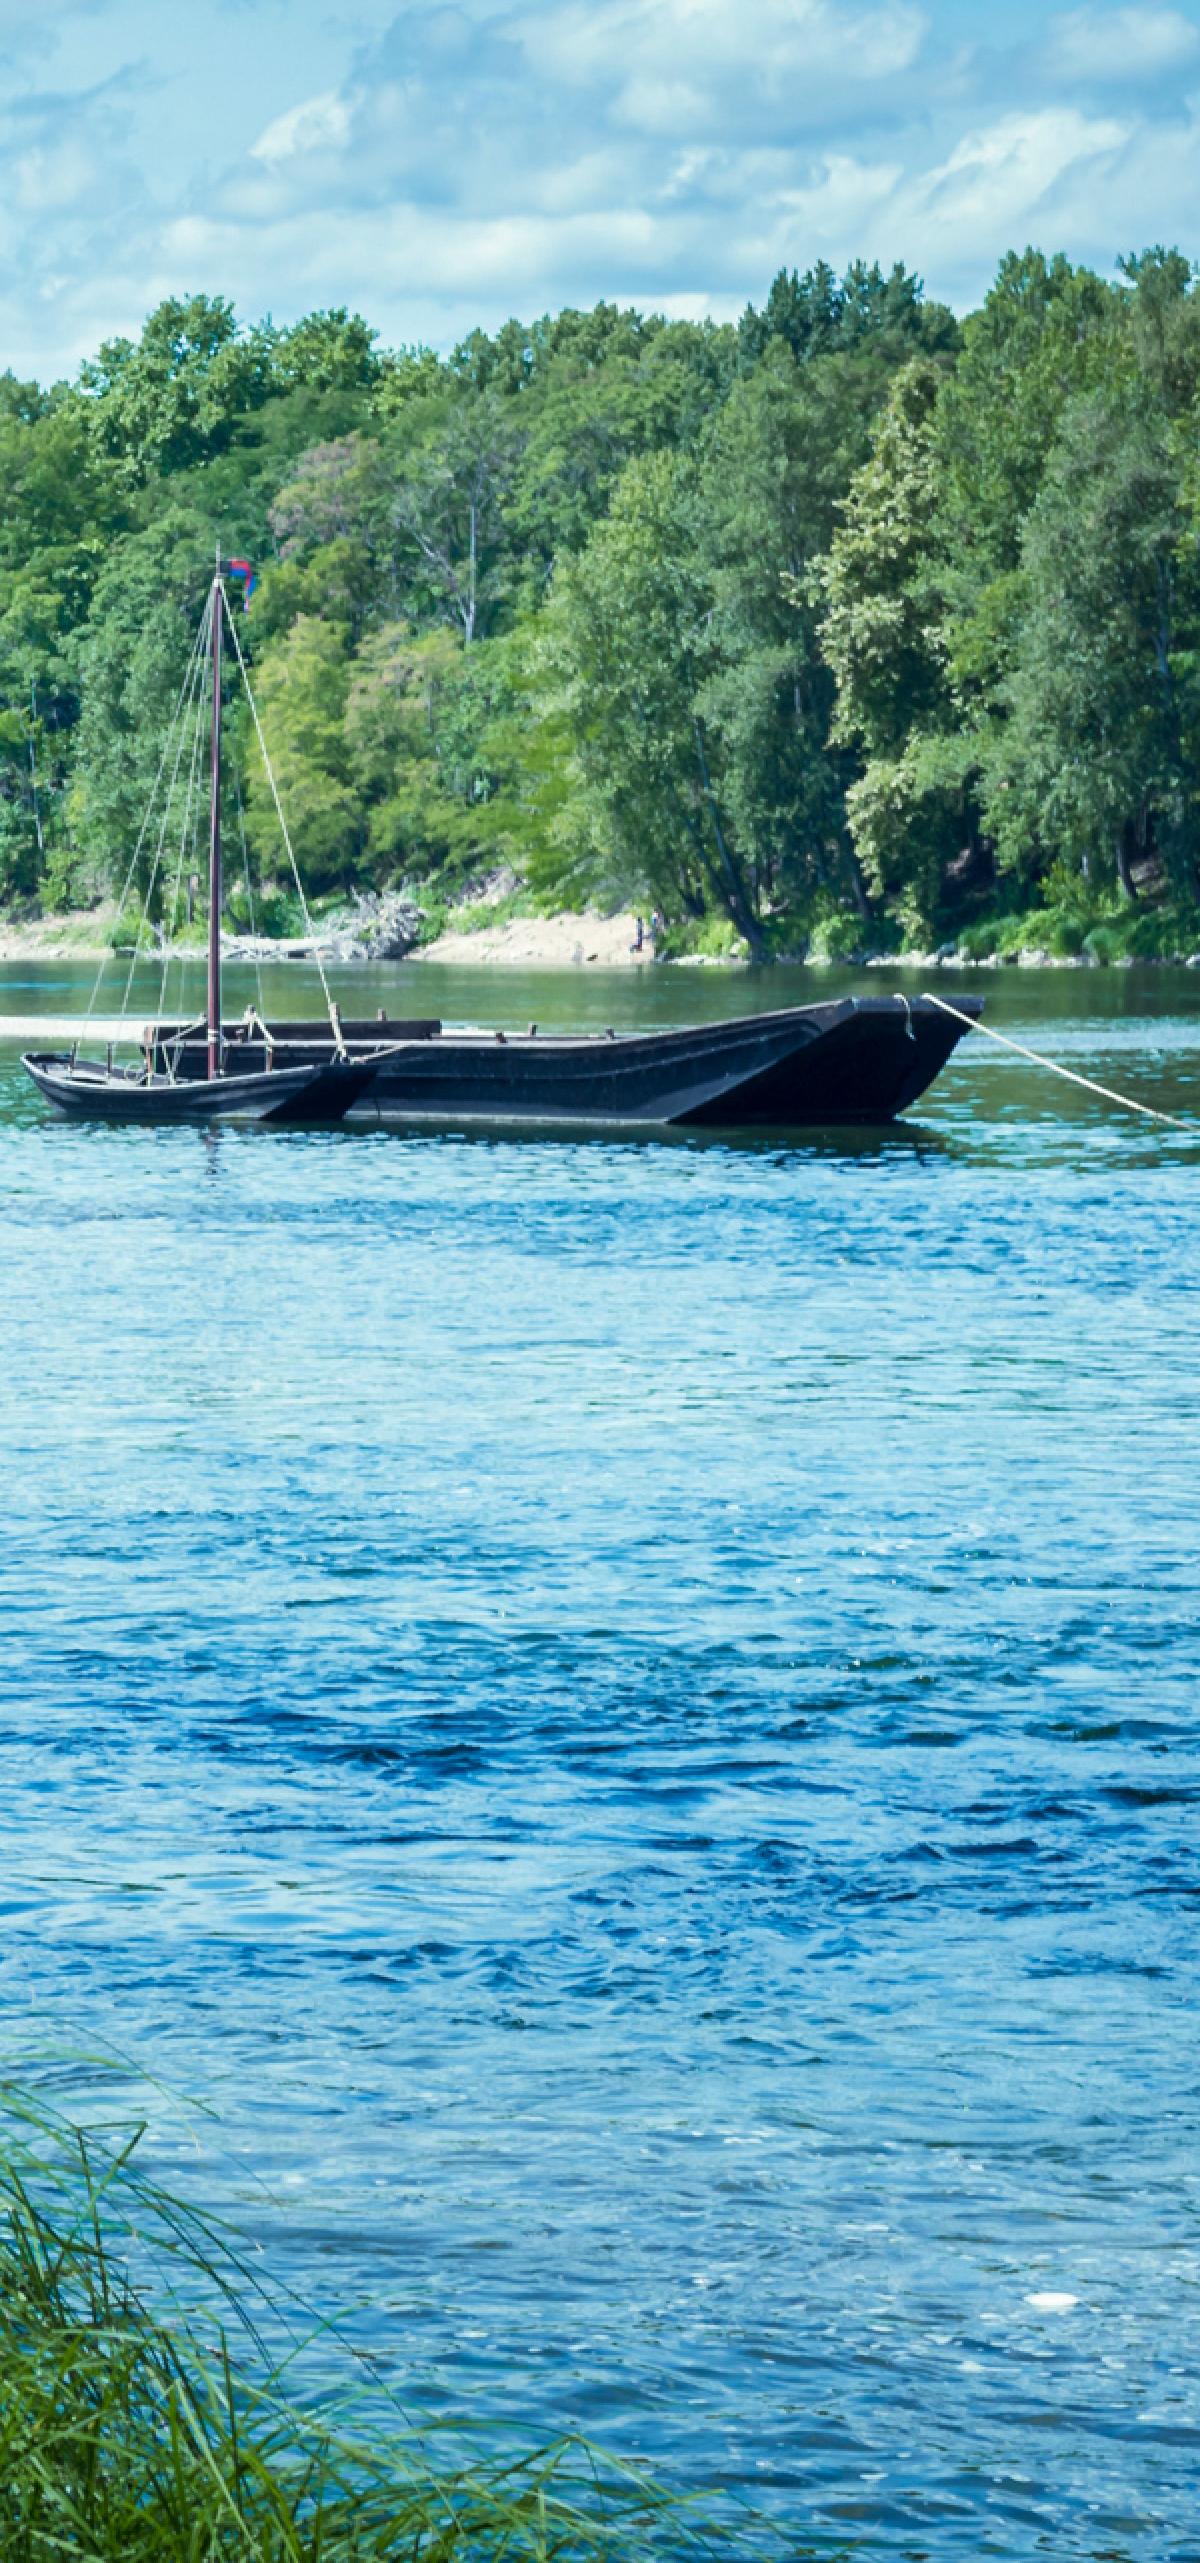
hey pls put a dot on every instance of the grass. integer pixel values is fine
(143, 2418)
(1107, 934)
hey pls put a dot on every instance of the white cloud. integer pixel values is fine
(477, 157)
(995, 182)
(319, 124)
(69, 184)
(642, 149)
(1149, 189)
(1123, 45)
(668, 67)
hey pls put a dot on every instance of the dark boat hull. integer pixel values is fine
(813, 1066)
(321, 1093)
(857, 1061)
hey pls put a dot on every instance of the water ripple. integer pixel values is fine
(626, 1718)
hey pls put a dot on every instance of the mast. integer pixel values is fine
(214, 858)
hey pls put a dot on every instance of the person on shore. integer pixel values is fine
(639, 935)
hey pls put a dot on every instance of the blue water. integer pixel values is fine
(625, 1718)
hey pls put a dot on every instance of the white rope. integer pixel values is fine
(177, 892)
(162, 833)
(184, 692)
(330, 1008)
(237, 786)
(1127, 1102)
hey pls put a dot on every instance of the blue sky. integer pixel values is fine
(438, 164)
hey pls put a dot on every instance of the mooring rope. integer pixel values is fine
(1128, 1103)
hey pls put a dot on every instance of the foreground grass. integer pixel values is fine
(143, 2418)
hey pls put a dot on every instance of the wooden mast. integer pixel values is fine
(214, 859)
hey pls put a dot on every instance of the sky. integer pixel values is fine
(446, 163)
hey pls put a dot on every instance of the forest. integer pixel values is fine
(845, 628)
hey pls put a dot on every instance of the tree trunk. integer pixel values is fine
(736, 899)
(1126, 840)
(472, 577)
(857, 884)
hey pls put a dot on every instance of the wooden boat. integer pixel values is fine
(92, 1090)
(856, 1060)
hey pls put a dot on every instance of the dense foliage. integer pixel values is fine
(843, 625)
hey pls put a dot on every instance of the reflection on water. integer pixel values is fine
(626, 1716)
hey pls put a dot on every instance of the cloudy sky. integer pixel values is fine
(443, 162)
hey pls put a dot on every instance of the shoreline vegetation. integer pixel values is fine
(588, 939)
(143, 2417)
(850, 631)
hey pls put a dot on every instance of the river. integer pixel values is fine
(624, 1719)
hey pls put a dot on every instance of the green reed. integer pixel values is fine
(142, 2416)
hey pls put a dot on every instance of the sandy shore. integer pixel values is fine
(530, 943)
(83, 934)
(544, 943)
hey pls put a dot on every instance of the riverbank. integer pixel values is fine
(80, 934)
(526, 942)
(585, 939)
(577, 938)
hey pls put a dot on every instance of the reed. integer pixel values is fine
(142, 2416)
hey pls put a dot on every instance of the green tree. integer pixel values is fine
(819, 314)
(884, 635)
(626, 647)
(429, 803)
(180, 393)
(302, 684)
(131, 659)
(449, 509)
(1097, 763)
(775, 467)
(1046, 332)
(327, 351)
(333, 529)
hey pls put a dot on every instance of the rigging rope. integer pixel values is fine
(1109, 1093)
(237, 789)
(188, 822)
(184, 694)
(162, 833)
(330, 1008)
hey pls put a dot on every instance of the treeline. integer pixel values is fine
(841, 626)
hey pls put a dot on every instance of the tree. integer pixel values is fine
(327, 351)
(1045, 332)
(302, 684)
(332, 524)
(131, 659)
(775, 465)
(601, 395)
(884, 635)
(819, 315)
(179, 394)
(627, 622)
(450, 506)
(1098, 761)
(429, 801)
